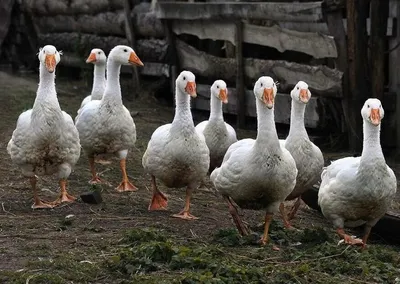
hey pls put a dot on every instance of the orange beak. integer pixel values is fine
(268, 97)
(50, 62)
(134, 59)
(91, 58)
(375, 116)
(223, 96)
(304, 95)
(191, 89)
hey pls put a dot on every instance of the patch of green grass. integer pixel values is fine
(307, 256)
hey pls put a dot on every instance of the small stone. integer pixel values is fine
(93, 197)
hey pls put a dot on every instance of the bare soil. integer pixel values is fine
(43, 246)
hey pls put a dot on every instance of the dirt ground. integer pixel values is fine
(44, 246)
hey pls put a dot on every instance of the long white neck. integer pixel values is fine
(46, 93)
(183, 115)
(216, 109)
(112, 93)
(372, 150)
(267, 138)
(99, 81)
(297, 128)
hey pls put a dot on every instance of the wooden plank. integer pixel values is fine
(149, 69)
(295, 12)
(379, 13)
(314, 44)
(149, 50)
(70, 7)
(282, 105)
(322, 80)
(5, 18)
(358, 70)
(323, 28)
(130, 35)
(145, 23)
(241, 99)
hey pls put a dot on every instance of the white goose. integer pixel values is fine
(308, 157)
(45, 140)
(105, 126)
(98, 58)
(356, 191)
(176, 153)
(257, 174)
(219, 134)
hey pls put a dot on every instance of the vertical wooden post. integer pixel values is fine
(130, 34)
(359, 87)
(171, 57)
(394, 63)
(241, 99)
(334, 19)
(379, 16)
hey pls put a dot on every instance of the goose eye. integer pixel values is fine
(298, 87)
(98, 52)
(380, 106)
(261, 84)
(367, 106)
(217, 87)
(44, 52)
(184, 78)
(125, 50)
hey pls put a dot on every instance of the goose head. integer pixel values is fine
(265, 90)
(186, 83)
(372, 111)
(97, 56)
(219, 90)
(49, 57)
(124, 55)
(301, 93)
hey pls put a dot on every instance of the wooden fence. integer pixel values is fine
(163, 38)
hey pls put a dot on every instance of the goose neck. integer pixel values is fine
(216, 109)
(297, 127)
(46, 93)
(112, 93)
(267, 138)
(99, 81)
(372, 150)
(182, 108)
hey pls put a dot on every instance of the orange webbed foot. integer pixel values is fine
(158, 202)
(185, 215)
(126, 186)
(98, 180)
(64, 198)
(352, 241)
(39, 204)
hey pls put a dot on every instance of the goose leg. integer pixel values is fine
(295, 207)
(284, 218)
(185, 213)
(38, 203)
(264, 238)
(349, 239)
(367, 231)
(95, 178)
(64, 195)
(159, 201)
(125, 184)
(242, 228)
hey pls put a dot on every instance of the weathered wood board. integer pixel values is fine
(323, 28)
(106, 23)
(70, 7)
(149, 68)
(149, 50)
(282, 105)
(322, 80)
(5, 18)
(314, 44)
(296, 12)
